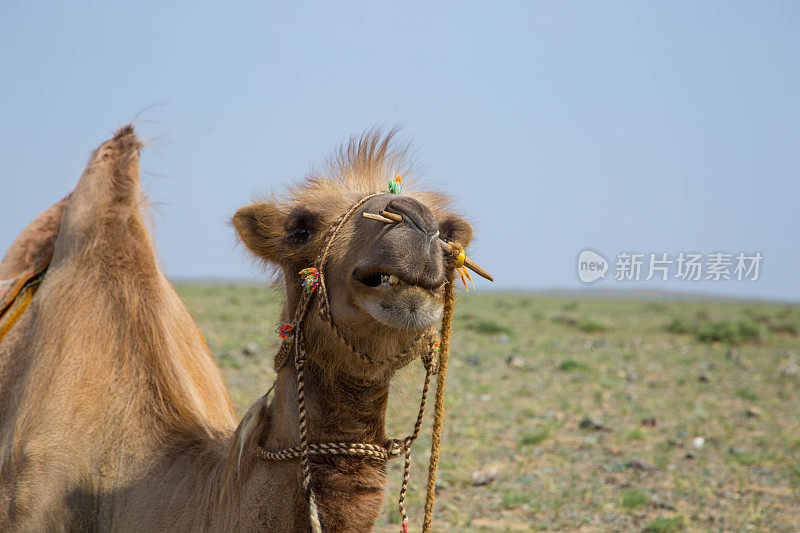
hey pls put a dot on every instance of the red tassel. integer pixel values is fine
(285, 330)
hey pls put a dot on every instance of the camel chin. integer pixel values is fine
(401, 305)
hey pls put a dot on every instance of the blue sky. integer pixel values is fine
(620, 127)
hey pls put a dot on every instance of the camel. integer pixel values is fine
(113, 414)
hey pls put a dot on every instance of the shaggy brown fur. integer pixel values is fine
(113, 415)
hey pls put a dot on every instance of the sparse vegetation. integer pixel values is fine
(571, 365)
(747, 395)
(518, 500)
(637, 434)
(553, 474)
(570, 306)
(680, 325)
(634, 499)
(590, 325)
(488, 327)
(729, 331)
(743, 457)
(784, 328)
(535, 437)
(665, 524)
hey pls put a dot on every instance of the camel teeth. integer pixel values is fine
(393, 280)
(385, 279)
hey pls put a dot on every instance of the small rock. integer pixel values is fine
(753, 412)
(691, 455)
(736, 450)
(707, 365)
(592, 423)
(726, 494)
(682, 434)
(638, 464)
(481, 478)
(734, 356)
(474, 360)
(251, 350)
(790, 368)
(661, 504)
(485, 397)
(704, 377)
(698, 442)
(515, 361)
(504, 339)
(677, 443)
(650, 421)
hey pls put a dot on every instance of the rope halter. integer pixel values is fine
(292, 333)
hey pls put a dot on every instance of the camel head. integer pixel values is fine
(384, 280)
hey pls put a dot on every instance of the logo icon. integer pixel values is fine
(591, 266)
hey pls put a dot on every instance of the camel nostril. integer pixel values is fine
(370, 280)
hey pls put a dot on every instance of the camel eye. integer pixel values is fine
(300, 226)
(299, 236)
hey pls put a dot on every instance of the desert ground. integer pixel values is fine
(568, 414)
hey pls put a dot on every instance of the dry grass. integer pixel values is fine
(653, 388)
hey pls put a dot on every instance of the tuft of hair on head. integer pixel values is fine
(363, 165)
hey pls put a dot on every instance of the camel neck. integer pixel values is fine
(339, 408)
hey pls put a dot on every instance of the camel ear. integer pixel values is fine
(456, 229)
(261, 228)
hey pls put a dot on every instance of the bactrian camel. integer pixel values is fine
(113, 414)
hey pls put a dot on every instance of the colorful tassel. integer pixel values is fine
(469, 278)
(462, 272)
(310, 279)
(285, 330)
(436, 344)
(396, 184)
(463, 279)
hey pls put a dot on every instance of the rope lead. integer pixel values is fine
(438, 406)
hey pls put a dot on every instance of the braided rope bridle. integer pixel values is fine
(393, 447)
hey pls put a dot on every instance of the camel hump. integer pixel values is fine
(108, 190)
(104, 209)
(110, 181)
(112, 175)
